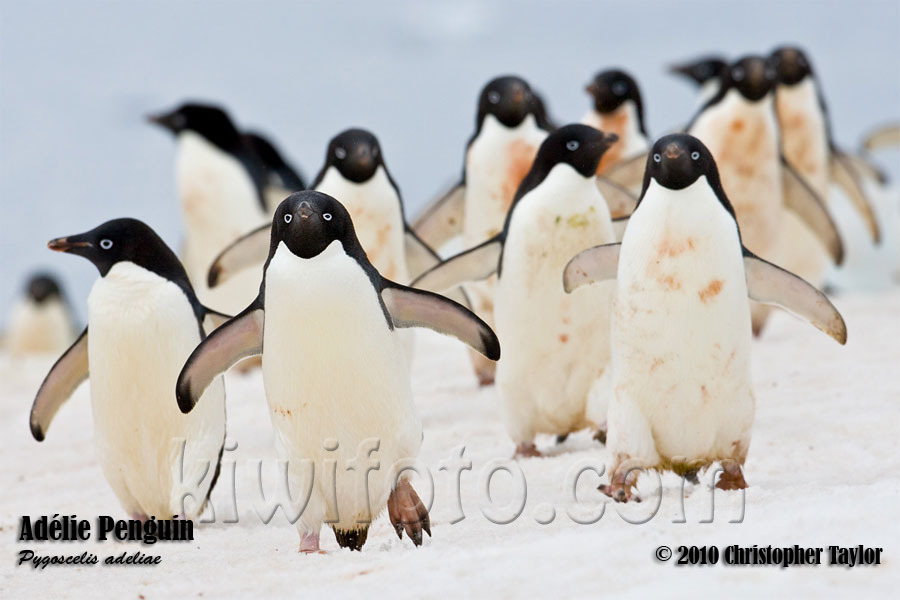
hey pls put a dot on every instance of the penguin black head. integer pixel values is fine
(580, 146)
(678, 160)
(308, 222)
(42, 287)
(752, 76)
(702, 69)
(791, 65)
(610, 89)
(355, 153)
(123, 240)
(509, 99)
(207, 120)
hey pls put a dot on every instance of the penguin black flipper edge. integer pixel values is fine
(800, 198)
(599, 263)
(248, 250)
(410, 307)
(845, 175)
(770, 284)
(64, 377)
(239, 338)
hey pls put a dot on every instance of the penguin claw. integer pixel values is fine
(619, 492)
(600, 435)
(407, 513)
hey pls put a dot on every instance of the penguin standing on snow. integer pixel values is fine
(509, 127)
(144, 321)
(42, 320)
(280, 179)
(680, 327)
(221, 186)
(740, 129)
(334, 370)
(354, 171)
(555, 345)
(808, 147)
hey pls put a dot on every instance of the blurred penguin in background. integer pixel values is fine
(280, 179)
(617, 109)
(705, 72)
(221, 186)
(41, 320)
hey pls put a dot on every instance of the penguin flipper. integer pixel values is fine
(410, 307)
(420, 258)
(64, 377)
(887, 135)
(843, 174)
(443, 218)
(770, 284)
(250, 249)
(629, 173)
(239, 338)
(864, 167)
(474, 264)
(620, 201)
(802, 200)
(213, 319)
(599, 263)
(619, 224)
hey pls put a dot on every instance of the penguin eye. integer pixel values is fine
(340, 153)
(738, 74)
(106, 244)
(619, 88)
(288, 217)
(493, 97)
(657, 157)
(327, 216)
(572, 145)
(695, 155)
(375, 151)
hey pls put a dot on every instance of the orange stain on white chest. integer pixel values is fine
(614, 122)
(521, 155)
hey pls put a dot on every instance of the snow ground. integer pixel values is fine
(824, 468)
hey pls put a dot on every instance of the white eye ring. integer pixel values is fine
(340, 153)
(695, 155)
(657, 158)
(493, 97)
(288, 217)
(619, 88)
(106, 244)
(572, 145)
(326, 216)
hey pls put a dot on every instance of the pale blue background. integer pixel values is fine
(77, 76)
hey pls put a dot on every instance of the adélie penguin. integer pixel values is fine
(556, 345)
(143, 322)
(617, 109)
(221, 182)
(280, 179)
(41, 321)
(509, 126)
(334, 371)
(740, 128)
(354, 171)
(681, 334)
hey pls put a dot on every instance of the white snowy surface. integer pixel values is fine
(823, 468)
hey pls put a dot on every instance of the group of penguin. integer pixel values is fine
(622, 276)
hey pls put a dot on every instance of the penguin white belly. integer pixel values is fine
(39, 328)
(374, 207)
(141, 331)
(742, 137)
(334, 371)
(680, 333)
(554, 344)
(805, 146)
(219, 204)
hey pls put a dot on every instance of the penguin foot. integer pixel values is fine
(562, 438)
(527, 450)
(309, 544)
(732, 478)
(408, 513)
(620, 488)
(600, 435)
(354, 539)
(691, 476)
(484, 379)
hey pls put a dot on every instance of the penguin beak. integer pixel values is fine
(593, 89)
(363, 156)
(65, 244)
(164, 120)
(306, 210)
(673, 151)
